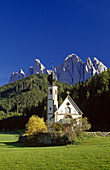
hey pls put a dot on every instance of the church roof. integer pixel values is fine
(68, 97)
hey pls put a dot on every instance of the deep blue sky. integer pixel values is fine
(51, 30)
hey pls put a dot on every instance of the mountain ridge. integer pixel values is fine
(71, 71)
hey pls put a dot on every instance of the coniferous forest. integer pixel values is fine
(21, 99)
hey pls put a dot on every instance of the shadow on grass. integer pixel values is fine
(14, 144)
(23, 145)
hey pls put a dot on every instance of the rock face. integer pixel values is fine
(30, 71)
(71, 71)
(74, 70)
(17, 76)
(38, 67)
(99, 66)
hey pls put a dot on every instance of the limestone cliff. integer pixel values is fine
(71, 71)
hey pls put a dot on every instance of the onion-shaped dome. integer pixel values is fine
(52, 78)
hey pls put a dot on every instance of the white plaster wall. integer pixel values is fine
(52, 100)
(58, 117)
(55, 96)
(62, 110)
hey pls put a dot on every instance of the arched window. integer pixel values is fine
(68, 110)
(68, 116)
(50, 91)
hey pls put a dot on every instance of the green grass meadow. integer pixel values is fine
(91, 153)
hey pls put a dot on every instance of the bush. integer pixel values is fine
(35, 125)
(85, 124)
(75, 129)
(57, 127)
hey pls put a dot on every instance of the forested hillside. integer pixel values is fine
(19, 100)
(93, 98)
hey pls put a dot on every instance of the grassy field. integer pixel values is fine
(92, 153)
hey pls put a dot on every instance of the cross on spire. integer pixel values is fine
(52, 65)
(67, 92)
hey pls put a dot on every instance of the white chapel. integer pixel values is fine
(66, 111)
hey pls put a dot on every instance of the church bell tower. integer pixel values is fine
(52, 96)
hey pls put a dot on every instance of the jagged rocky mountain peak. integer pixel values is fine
(72, 70)
(73, 57)
(17, 76)
(30, 71)
(89, 61)
(38, 67)
(37, 60)
(21, 72)
(88, 64)
(96, 61)
(99, 66)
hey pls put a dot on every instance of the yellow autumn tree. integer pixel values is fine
(35, 125)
